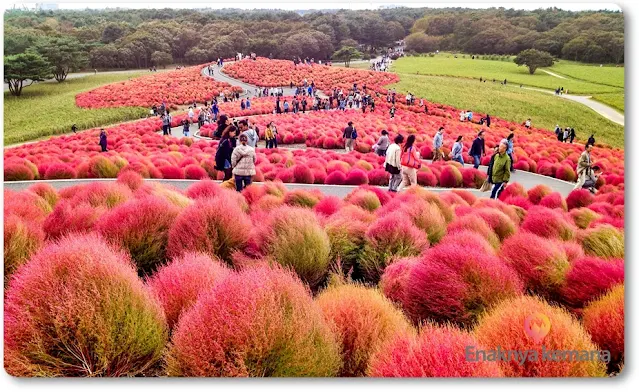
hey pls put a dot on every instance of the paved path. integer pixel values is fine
(600, 108)
(553, 74)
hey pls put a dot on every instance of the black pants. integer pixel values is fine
(228, 174)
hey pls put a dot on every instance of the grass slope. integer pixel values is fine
(46, 109)
(513, 104)
(445, 64)
(608, 75)
(615, 100)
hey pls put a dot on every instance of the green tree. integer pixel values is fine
(24, 67)
(422, 43)
(346, 54)
(161, 58)
(533, 59)
(65, 54)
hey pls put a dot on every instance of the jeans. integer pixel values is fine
(242, 182)
(498, 187)
(459, 159)
(394, 182)
(476, 160)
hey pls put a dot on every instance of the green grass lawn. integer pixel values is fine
(616, 100)
(513, 104)
(46, 109)
(607, 75)
(444, 64)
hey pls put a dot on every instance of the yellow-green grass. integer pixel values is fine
(445, 64)
(513, 104)
(615, 100)
(606, 75)
(46, 109)
(366, 65)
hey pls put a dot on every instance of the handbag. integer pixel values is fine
(485, 187)
(409, 160)
(392, 169)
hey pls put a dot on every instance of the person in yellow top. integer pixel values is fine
(270, 135)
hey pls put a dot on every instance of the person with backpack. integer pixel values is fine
(382, 144)
(224, 151)
(250, 134)
(243, 163)
(393, 163)
(583, 166)
(458, 148)
(591, 140)
(349, 136)
(438, 142)
(410, 161)
(500, 171)
(478, 149)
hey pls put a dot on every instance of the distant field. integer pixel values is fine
(607, 75)
(46, 109)
(513, 104)
(616, 100)
(445, 64)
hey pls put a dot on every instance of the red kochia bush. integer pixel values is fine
(579, 198)
(336, 178)
(141, 226)
(549, 223)
(261, 322)
(393, 281)
(589, 278)
(436, 352)
(21, 239)
(451, 177)
(328, 205)
(303, 175)
(554, 200)
(195, 172)
(541, 263)
(456, 284)
(604, 321)
(363, 321)
(172, 172)
(538, 192)
(67, 218)
(504, 326)
(179, 283)
(59, 171)
(203, 189)
(356, 177)
(215, 226)
(131, 179)
(55, 327)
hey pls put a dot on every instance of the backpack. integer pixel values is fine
(409, 160)
(354, 134)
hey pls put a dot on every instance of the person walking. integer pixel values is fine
(349, 136)
(500, 171)
(583, 166)
(458, 148)
(392, 111)
(591, 140)
(269, 135)
(74, 128)
(250, 133)
(103, 140)
(222, 124)
(382, 144)
(393, 163)
(438, 142)
(191, 114)
(510, 148)
(566, 134)
(224, 151)
(165, 124)
(478, 149)
(410, 163)
(186, 127)
(572, 134)
(527, 124)
(200, 118)
(488, 120)
(243, 162)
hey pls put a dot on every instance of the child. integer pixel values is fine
(185, 130)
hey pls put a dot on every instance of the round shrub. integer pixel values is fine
(356, 177)
(363, 320)
(215, 226)
(101, 167)
(17, 172)
(365, 199)
(195, 172)
(27, 205)
(426, 216)
(21, 240)
(335, 178)
(141, 227)
(172, 172)
(328, 205)
(579, 198)
(390, 237)
(436, 352)
(261, 322)
(303, 175)
(554, 200)
(566, 173)
(302, 198)
(204, 189)
(431, 197)
(538, 192)
(346, 236)
(393, 282)
(604, 321)
(583, 217)
(504, 326)
(178, 283)
(589, 278)
(512, 190)
(549, 223)
(541, 263)
(450, 177)
(604, 241)
(378, 177)
(131, 179)
(51, 314)
(59, 171)
(98, 194)
(67, 218)
(474, 223)
(293, 237)
(456, 284)
(469, 239)
(45, 191)
(498, 221)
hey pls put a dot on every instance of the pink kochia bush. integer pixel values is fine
(363, 321)
(454, 283)
(505, 327)
(436, 352)
(589, 278)
(77, 309)
(179, 283)
(260, 322)
(21, 240)
(216, 226)
(141, 226)
(549, 223)
(604, 321)
(67, 218)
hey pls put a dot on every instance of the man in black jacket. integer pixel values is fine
(348, 136)
(478, 150)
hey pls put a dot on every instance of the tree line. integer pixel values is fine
(588, 36)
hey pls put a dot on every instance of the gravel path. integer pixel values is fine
(553, 74)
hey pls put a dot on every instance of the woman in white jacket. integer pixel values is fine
(393, 163)
(243, 163)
